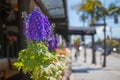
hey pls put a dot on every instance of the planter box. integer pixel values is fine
(67, 72)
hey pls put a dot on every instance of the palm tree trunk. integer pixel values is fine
(93, 42)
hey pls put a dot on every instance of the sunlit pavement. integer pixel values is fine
(88, 71)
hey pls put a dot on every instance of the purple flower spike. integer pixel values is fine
(37, 26)
(53, 44)
(34, 26)
(47, 27)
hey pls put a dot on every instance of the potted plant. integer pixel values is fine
(38, 59)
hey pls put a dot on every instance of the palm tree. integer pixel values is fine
(95, 8)
(91, 7)
(114, 11)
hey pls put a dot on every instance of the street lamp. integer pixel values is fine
(104, 59)
(104, 19)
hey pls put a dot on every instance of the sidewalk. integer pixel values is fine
(84, 71)
(88, 71)
(115, 54)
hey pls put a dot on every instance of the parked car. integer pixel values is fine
(100, 49)
(107, 51)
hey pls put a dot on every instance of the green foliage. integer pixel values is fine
(115, 43)
(39, 62)
(90, 6)
(99, 42)
(77, 41)
(62, 45)
(113, 9)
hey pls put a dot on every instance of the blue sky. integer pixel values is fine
(75, 21)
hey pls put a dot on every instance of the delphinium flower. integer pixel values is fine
(56, 42)
(37, 26)
(25, 24)
(53, 44)
(47, 27)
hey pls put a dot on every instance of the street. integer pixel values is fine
(89, 71)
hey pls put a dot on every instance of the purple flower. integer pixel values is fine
(56, 42)
(37, 26)
(47, 27)
(34, 26)
(53, 44)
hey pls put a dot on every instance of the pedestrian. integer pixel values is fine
(77, 53)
